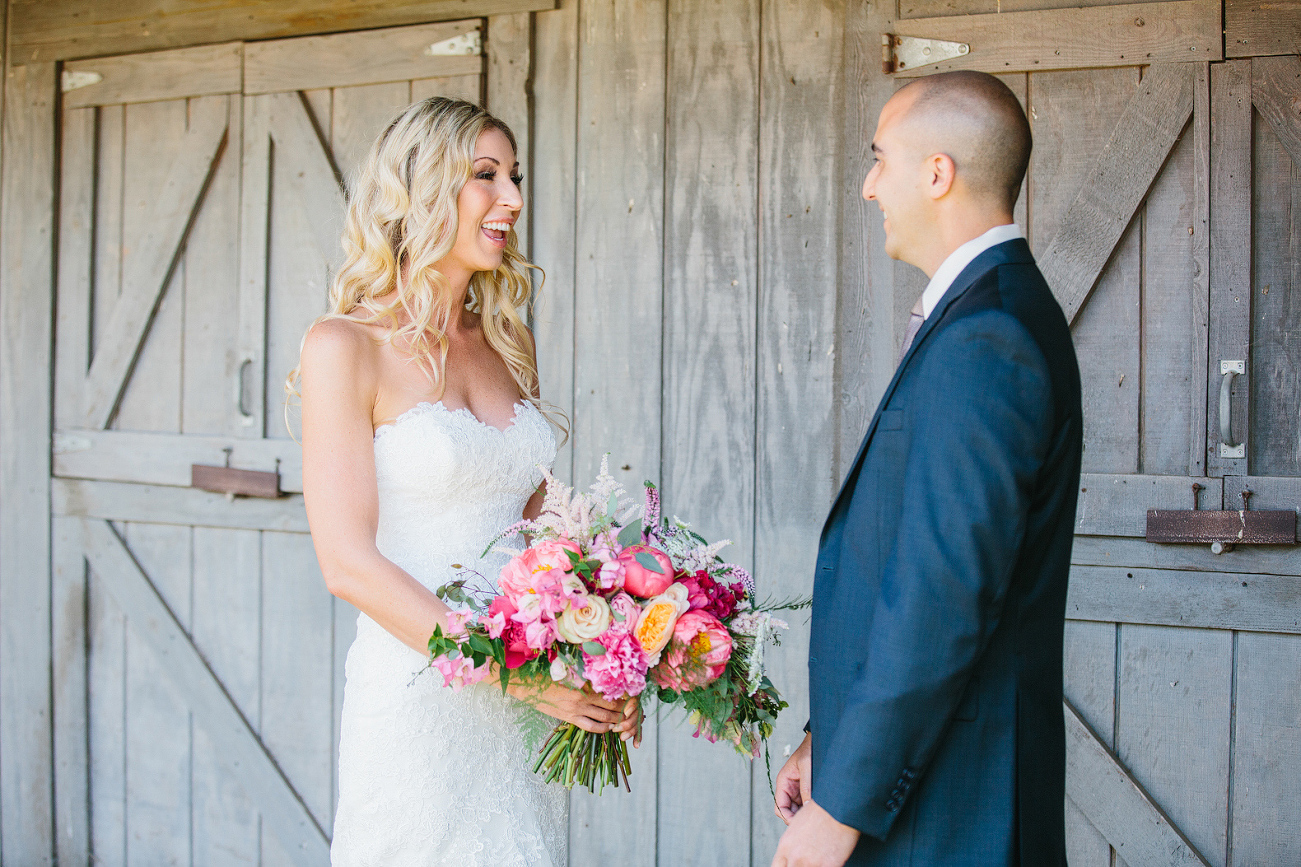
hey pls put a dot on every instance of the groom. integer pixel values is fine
(935, 664)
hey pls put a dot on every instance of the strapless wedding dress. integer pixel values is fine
(429, 776)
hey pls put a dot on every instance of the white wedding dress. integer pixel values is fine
(429, 776)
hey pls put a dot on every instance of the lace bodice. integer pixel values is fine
(429, 776)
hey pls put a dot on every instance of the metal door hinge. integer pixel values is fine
(899, 53)
(457, 46)
(74, 80)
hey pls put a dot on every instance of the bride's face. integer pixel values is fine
(488, 206)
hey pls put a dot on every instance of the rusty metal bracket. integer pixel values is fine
(1222, 528)
(909, 52)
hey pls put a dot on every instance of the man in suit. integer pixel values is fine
(935, 664)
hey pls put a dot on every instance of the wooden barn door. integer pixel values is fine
(1161, 206)
(198, 657)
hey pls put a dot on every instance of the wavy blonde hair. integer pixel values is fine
(401, 221)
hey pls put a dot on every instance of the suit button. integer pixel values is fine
(813, 659)
(892, 805)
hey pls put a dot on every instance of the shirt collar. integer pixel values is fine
(961, 258)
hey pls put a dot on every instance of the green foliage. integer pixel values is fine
(648, 561)
(631, 534)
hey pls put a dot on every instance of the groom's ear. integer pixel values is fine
(940, 174)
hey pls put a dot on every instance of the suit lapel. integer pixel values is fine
(1014, 251)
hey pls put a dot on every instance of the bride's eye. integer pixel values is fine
(487, 175)
(518, 179)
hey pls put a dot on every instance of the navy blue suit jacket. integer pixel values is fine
(935, 663)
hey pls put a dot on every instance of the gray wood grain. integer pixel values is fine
(1267, 492)
(83, 28)
(619, 310)
(72, 326)
(799, 143)
(467, 87)
(1173, 725)
(1245, 559)
(1275, 365)
(250, 361)
(710, 295)
(27, 224)
(1205, 600)
(1117, 805)
(1117, 504)
(1089, 669)
(1265, 815)
(156, 75)
(1253, 29)
(356, 118)
(71, 690)
(509, 64)
(106, 716)
(1231, 296)
(164, 225)
(225, 629)
(119, 501)
(152, 620)
(1118, 183)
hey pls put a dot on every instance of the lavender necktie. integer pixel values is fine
(915, 320)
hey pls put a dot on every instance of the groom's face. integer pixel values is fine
(896, 181)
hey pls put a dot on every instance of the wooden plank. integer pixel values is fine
(940, 8)
(117, 501)
(106, 274)
(71, 690)
(76, 261)
(27, 223)
(1265, 817)
(107, 709)
(364, 57)
(165, 459)
(1116, 505)
(226, 631)
(711, 288)
(509, 48)
(153, 76)
(357, 117)
(1175, 31)
(282, 809)
(466, 87)
(1245, 559)
(1201, 283)
(166, 222)
(157, 723)
(1275, 366)
(619, 310)
(254, 238)
(1172, 731)
(1205, 600)
(552, 208)
(1231, 235)
(1118, 805)
(1267, 492)
(209, 384)
(1089, 669)
(866, 354)
(308, 168)
(1149, 127)
(798, 247)
(1076, 113)
(297, 669)
(86, 28)
(1253, 28)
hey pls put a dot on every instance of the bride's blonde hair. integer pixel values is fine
(401, 220)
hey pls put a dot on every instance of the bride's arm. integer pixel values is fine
(339, 382)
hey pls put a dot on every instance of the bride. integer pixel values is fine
(422, 436)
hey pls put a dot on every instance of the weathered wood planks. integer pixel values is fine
(152, 76)
(1253, 28)
(125, 501)
(27, 226)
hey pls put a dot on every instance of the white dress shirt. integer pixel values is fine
(961, 258)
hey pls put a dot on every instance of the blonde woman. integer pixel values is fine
(422, 436)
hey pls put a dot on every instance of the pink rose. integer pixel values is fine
(518, 651)
(625, 610)
(532, 570)
(641, 581)
(697, 655)
(621, 670)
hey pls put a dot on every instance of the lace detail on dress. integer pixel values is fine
(428, 776)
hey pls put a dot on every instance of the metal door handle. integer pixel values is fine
(241, 391)
(1229, 448)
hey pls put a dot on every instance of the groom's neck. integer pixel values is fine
(955, 227)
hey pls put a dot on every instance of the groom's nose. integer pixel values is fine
(869, 184)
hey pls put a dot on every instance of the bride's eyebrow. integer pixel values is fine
(494, 161)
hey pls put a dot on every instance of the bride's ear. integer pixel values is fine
(940, 174)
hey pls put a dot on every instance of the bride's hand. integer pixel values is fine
(582, 707)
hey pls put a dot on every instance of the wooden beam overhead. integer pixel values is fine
(44, 30)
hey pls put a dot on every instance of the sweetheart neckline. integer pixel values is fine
(426, 406)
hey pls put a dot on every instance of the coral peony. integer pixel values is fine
(697, 655)
(641, 581)
(531, 571)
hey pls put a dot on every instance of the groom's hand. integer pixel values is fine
(794, 781)
(815, 839)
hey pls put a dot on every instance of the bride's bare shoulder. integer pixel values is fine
(340, 348)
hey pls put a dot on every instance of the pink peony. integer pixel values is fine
(621, 670)
(531, 571)
(512, 633)
(697, 654)
(458, 673)
(640, 581)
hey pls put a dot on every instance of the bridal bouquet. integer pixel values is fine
(626, 602)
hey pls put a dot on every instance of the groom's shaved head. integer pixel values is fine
(977, 121)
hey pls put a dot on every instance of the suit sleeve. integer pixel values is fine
(980, 423)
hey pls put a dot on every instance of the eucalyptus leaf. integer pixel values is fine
(592, 648)
(649, 562)
(612, 506)
(631, 534)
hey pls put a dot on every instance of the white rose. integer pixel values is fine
(577, 625)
